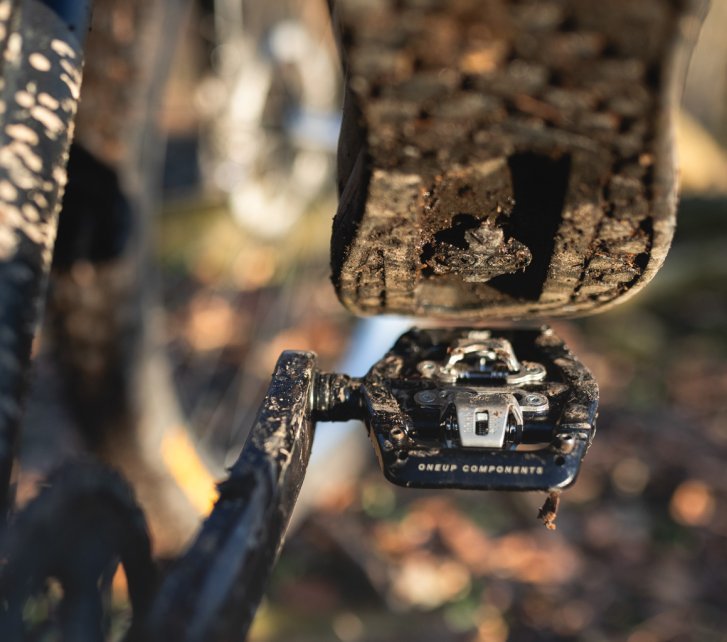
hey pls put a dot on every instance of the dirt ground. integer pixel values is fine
(640, 553)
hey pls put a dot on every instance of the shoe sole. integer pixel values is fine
(506, 159)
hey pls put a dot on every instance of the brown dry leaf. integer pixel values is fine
(631, 475)
(463, 537)
(324, 337)
(485, 58)
(492, 626)
(573, 617)
(692, 503)
(699, 383)
(428, 581)
(535, 560)
(520, 556)
(211, 323)
(413, 532)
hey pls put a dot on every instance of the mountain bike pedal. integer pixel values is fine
(477, 409)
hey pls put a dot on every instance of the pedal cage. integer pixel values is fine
(480, 409)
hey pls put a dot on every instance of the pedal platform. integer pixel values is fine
(479, 409)
(464, 408)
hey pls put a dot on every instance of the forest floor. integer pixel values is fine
(640, 553)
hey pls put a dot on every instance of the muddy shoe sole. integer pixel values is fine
(506, 159)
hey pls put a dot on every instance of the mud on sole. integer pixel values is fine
(505, 159)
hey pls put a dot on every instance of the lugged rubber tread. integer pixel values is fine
(506, 159)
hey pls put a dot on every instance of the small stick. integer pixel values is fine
(549, 510)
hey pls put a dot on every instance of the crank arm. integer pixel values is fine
(448, 408)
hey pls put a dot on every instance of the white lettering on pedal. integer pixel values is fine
(438, 468)
(482, 469)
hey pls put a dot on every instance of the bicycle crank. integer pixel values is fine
(446, 408)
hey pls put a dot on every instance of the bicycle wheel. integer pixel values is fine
(103, 317)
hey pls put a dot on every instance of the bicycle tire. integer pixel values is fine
(41, 75)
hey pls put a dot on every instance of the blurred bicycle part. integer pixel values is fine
(272, 111)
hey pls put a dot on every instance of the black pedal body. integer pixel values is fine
(480, 409)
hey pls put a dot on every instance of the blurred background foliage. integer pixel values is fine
(640, 553)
